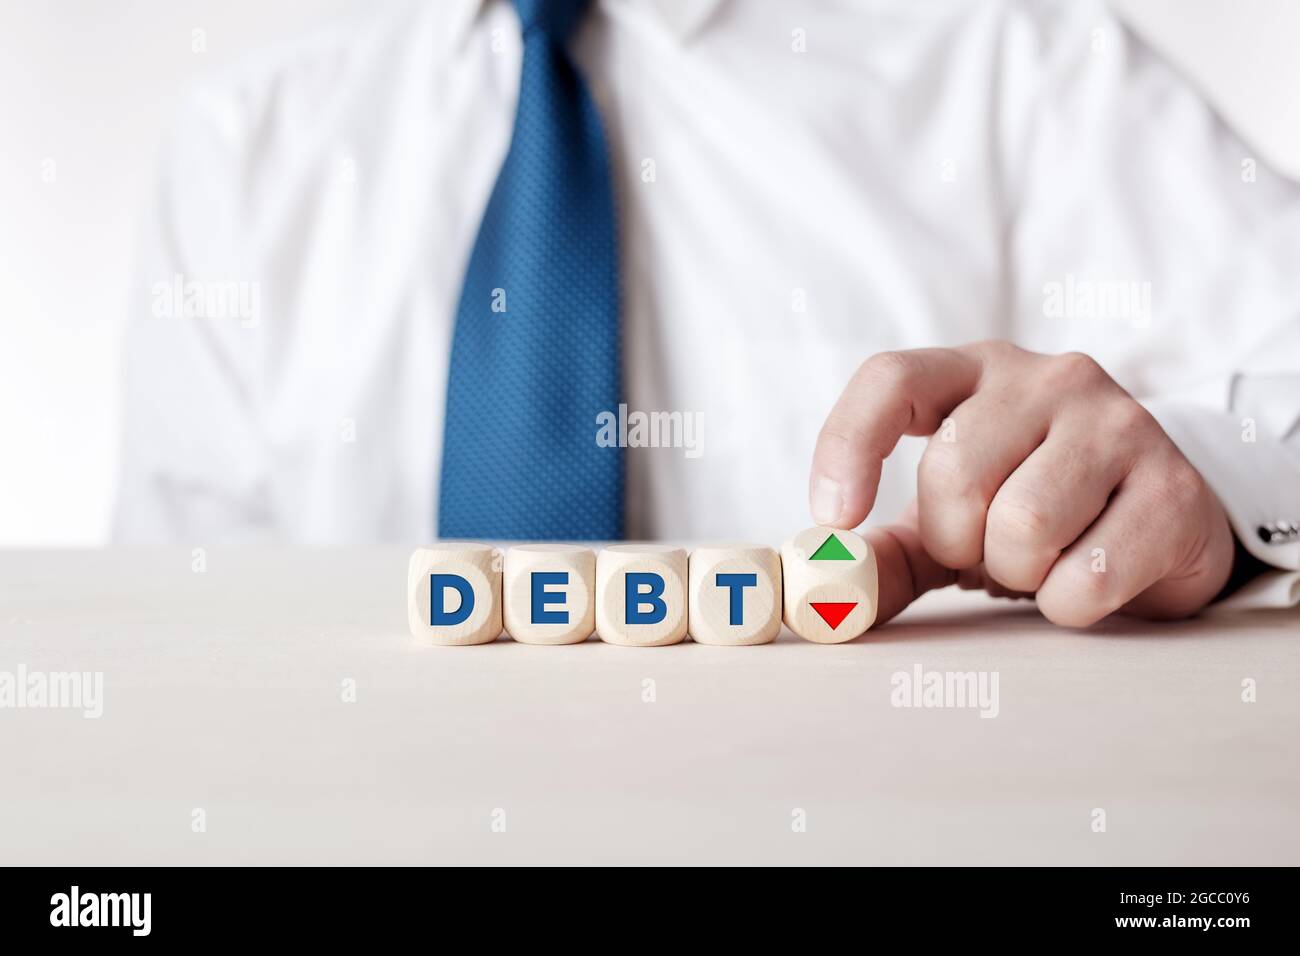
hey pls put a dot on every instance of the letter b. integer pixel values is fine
(642, 588)
(641, 594)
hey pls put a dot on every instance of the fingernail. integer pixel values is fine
(827, 501)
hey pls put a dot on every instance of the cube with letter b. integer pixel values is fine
(454, 593)
(550, 593)
(641, 595)
(735, 594)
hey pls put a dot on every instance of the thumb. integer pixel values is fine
(904, 568)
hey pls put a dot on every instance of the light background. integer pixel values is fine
(91, 84)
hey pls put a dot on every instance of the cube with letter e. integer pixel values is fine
(550, 593)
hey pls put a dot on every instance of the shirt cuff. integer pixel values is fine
(1257, 480)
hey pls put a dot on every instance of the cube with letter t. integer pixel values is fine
(641, 595)
(454, 593)
(735, 594)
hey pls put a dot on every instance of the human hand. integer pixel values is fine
(1042, 478)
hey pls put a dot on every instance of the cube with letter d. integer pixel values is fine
(641, 595)
(454, 593)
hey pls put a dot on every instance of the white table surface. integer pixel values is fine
(223, 691)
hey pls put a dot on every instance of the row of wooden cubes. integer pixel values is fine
(823, 585)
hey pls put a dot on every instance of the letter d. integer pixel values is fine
(438, 615)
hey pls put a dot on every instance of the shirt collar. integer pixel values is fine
(682, 18)
(685, 18)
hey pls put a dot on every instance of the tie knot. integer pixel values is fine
(556, 18)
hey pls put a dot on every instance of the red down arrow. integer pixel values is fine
(833, 612)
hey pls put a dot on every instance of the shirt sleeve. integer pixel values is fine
(193, 463)
(1143, 231)
(1256, 476)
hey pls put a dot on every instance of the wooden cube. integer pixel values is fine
(550, 593)
(735, 594)
(454, 593)
(831, 588)
(641, 595)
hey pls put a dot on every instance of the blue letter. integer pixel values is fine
(543, 597)
(634, 597)
(438, 583)
(737, 583)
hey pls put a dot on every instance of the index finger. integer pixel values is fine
(892, 394)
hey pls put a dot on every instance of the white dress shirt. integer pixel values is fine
(800, 185)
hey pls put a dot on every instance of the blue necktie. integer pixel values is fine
(535, 352)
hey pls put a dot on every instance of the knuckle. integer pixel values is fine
(1019, 520)
(1180, 483)
(1075, 370)
(1000, 349)
(1092, 588)
(888, 368)
(1129, 416)
(1015, 575)
(1067, 613)
(1076, 598)
(946, 471)
(953, 538)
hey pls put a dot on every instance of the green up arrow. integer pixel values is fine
(832, 549)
